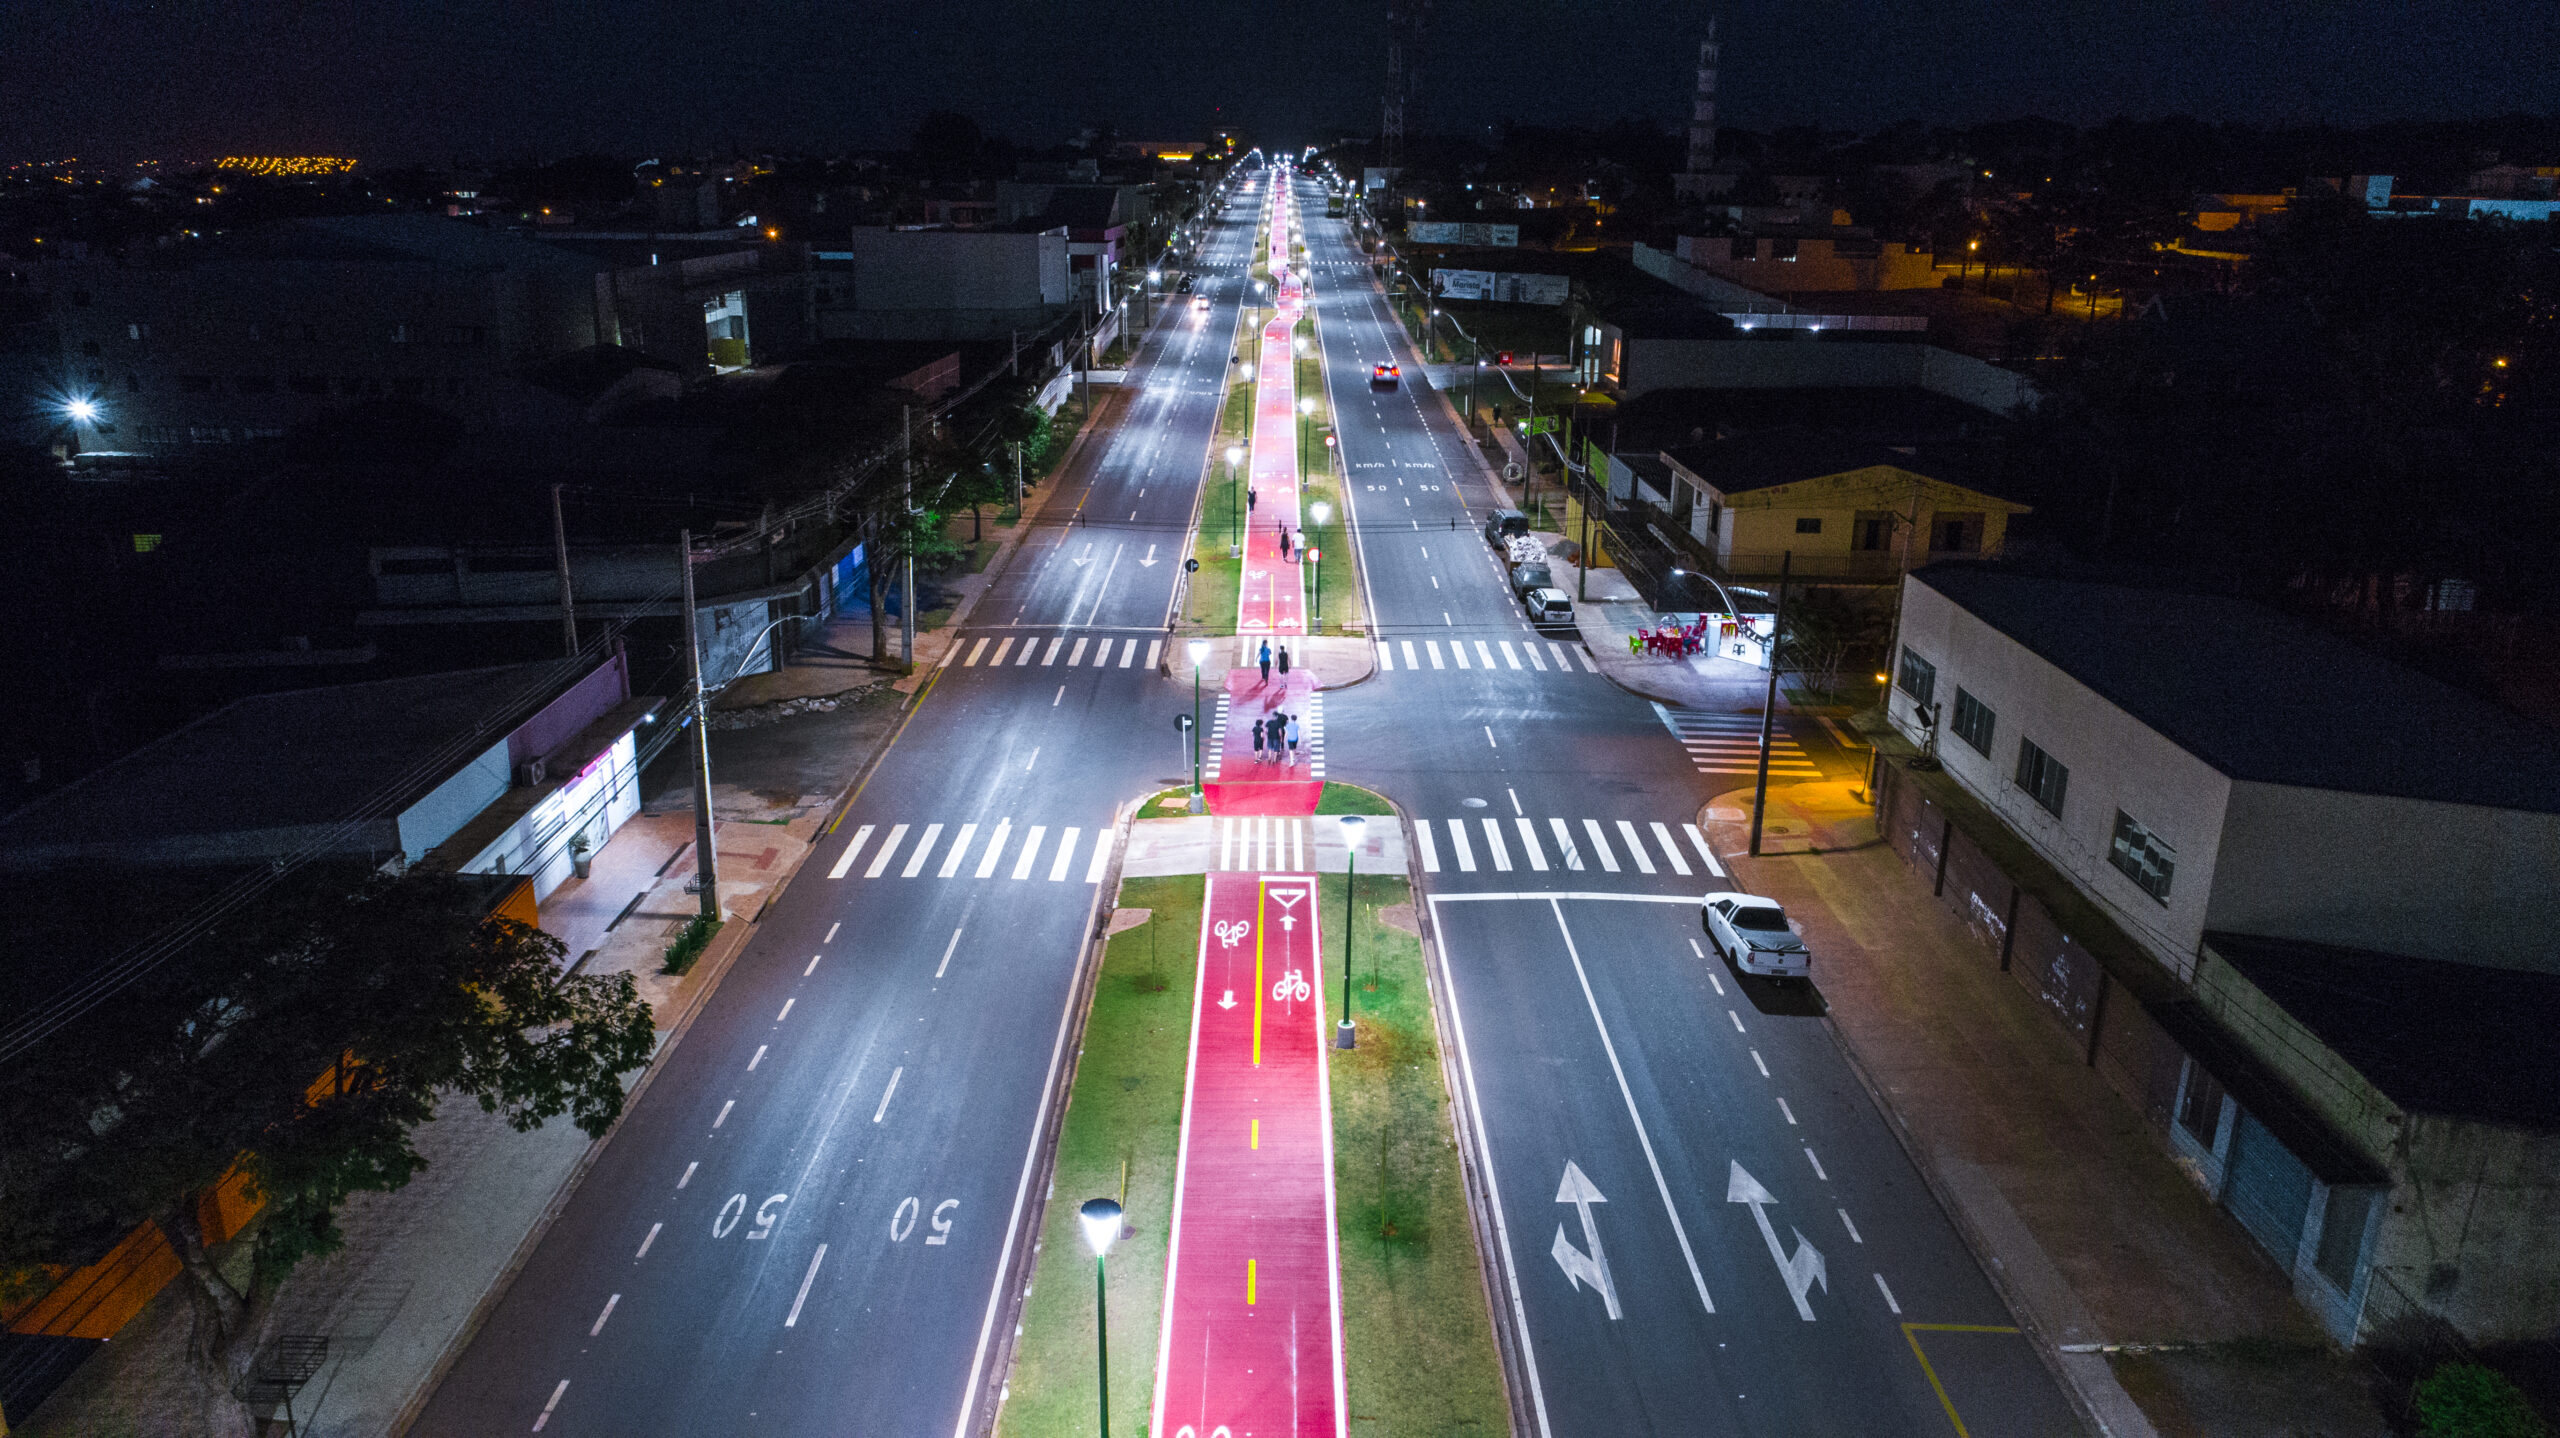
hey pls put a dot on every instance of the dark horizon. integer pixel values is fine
(405, 82)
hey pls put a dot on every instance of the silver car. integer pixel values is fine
(1753, 933)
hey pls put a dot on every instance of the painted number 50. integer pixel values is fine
(767, 1214)
(903, 1222)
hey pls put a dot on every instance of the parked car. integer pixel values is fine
(1384, 376)
(1503, 525)
(1186, 285)
(1548, 606)
(1752, 932)
(1534, 575)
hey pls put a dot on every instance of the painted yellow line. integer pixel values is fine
(1248, 1283)
(1261, 903)
(1257, 1133)
(1911, 1334)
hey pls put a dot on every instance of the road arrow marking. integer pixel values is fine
(1802, 1271)
(1150, 560)
(1581, 1267)
(1086, 557)
(1229, 1001)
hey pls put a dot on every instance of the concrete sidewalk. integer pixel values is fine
(2084, 1221)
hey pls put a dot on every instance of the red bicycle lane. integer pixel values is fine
(1271, 591)
(1252, 1339)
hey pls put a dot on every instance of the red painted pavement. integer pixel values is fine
(1271, 595)
(1271, 786)
(1252, 1342)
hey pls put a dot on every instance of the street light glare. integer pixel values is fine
(1320, 511)
(1235, 454)
(1198, 649)
(81, 409)
(1101, 1219)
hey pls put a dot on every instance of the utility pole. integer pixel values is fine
(560, 556)
(706, 853)
(907, 561)
(1769, 706)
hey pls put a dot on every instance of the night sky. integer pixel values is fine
(391, 80)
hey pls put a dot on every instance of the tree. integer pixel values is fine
(298, 1044)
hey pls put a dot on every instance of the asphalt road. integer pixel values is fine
(1641, 1106)
(799, 1227)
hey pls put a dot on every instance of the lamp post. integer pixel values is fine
(1353, 826)
(1235, 459)
(1319, 512)
(1101, 1219)
(1306, 413)
(1198, 650)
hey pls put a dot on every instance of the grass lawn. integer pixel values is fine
(1124, 1116)
(1419, 1336)
(1351, 799)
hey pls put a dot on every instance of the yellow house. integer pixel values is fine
(1845, 508)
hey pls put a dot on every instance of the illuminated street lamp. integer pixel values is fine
(1101, 1220)
(1235, 461)
(1306, 411)
(81, 410)
(1319, 512)
(1198, 650)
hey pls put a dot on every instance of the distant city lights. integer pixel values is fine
(287, 165)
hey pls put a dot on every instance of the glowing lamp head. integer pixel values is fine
(1198, 649)
(1306, 406)
(81, 410)
(1320, 511)
(1101, 1220)
(1235, 454)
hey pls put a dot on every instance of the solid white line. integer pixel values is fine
(1386, 655)
(861, 837)
(601, 1317)
(547, 1407)
(1888, 1296)
(946, 953)
(888, 1093)
(645, 1242)
(1493, 1188)
(805, 1280)
(1853, 1228)
(1689, 899)
(1027, 763)
(759, 1058)
(1610, 1048)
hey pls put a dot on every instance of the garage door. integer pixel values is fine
(2267, 1188)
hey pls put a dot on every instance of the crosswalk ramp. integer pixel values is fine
(1094, 651)
(1310, 738)
(1551, 844)
(1544, 656)
(1003, 850)
(1730, 744)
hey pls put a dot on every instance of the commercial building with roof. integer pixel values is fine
(1841, 506)
(2304, 903)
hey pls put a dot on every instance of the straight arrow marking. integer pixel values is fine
(1800, 1272)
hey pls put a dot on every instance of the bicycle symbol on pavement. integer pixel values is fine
(1231, 932)
(1292, 985)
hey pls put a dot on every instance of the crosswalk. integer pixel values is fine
(1001, 850)
(1543, 655)
(1269, 844)
(1105, 651)
(1310, 739)
(1730, 744)
(1542, 845)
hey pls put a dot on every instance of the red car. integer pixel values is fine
(1384, 376)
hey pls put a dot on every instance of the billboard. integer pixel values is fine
(1500, 288)
(1441, 232)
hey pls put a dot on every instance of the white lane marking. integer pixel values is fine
(1101, 858)
(1515, 799)
(1458, 651)
(645, 1242)
(1635, 846)
(1027, 763)
(947, 951)
(1535, 660)
(1737, 1018)
(888, 848)
(813, 965)
(1705, 855)
(995, 848)
(759, 1058)
(1600, 846)
(1488, 730)
(831, 932)
(724, 1113)
(1760, 1064)
(998, 657)
(1610, 1047)
(888, 1093)
(1817, 1165)
(545, 1416)
(1888, 1296)
(1030, 850)
(1564, 657)
(1458, 841)
(924, 850)
(1430, 850)
(861, 837)
(688, 1173)
(1719, 983)
(1589, 664)
(805, 1280)
(786, 1009)
(1538, 855)
(601, 1317)
(1066, 855)
(1853, 1228)
(1670, 849)
(1790, 1113)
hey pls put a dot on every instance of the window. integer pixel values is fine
(1973, 722)
(1811, 525)
(2342, 1235)
(2042, 776)
(1870, 531)
(2142, 857)
(1955, 533)
(2200, 1110)
(1919, 679)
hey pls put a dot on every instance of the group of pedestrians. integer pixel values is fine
(1276, 738)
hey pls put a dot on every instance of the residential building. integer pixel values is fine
(2325, 887)
(1788, 259)
(941, 284)
(1842, 507)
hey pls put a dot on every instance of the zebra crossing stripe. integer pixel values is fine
(1430, 851)
(1705, 855)
(1535, 662)
(1508, 656)
(1409, 661)
(1101, 856)
(1458, 841)
(888, 846)
(1458, 651)
(1600, 846)
(998, 657)
(1155, 653)
(1493, 844)
(959, 847)
(924, 847)
(861, 836)
(1066, 855)
(1537, 851)
(1386, 655)
(995, 849)
(1635, 846)
(1434, 646)
(1031, 851)
(1670, 848)
(1076, 655)
(1052, 656)
(1029, 648)
(1486, 652)
(1589, 664)
(974, 651)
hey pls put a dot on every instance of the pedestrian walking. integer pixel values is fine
(1293, 741)
(1257, 741)
(1284, 661)
(1266, 661)
(1252, 497)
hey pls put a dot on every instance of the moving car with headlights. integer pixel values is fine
(1200, 304)
(1752, 932)
(1384, 376)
